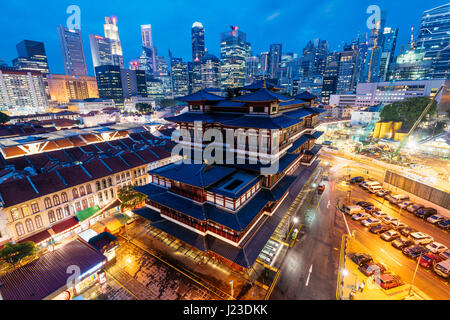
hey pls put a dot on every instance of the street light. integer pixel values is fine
(415, 271)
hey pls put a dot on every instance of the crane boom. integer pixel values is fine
(425, 111)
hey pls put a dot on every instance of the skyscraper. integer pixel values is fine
(388, 51)
(148, 57)
(179, 75)
(275, 53)
(264, 59)
(347, 74)
(133, 83)
(72, 51)
(31, 56)
(100, 50)
(112, 33)
(234, 48)
(330, 76)
(146, 34)
(252, 69)
(198, 41)
(210, 71)
(434, 40)
(195, 76)
(109, 83)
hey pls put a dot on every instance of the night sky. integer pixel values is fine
(290, 22)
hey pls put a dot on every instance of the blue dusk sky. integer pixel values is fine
(290, 22)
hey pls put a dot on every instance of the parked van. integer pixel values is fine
(370, 184)
(443, 268)
(399, 198)
(351, 210)
(374, 189)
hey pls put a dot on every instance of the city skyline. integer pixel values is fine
(178, 39)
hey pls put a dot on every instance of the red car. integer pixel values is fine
(430, 259)
(320, 188)
(388, 281)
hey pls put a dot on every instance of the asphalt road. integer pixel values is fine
(309, 270)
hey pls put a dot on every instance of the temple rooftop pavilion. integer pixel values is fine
(231, 210)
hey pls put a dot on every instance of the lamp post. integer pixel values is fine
(295, 221)
(232, 288)
(414, 276)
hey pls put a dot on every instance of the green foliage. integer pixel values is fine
(144, 107)
(14, 253)
(3, 117)
(233, 92)
(130, 198)
(167, 103)
(407, 111)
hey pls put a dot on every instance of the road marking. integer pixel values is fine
(395, 260)
(328, 205)
(309, 274)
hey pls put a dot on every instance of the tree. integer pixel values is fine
(407, 111)
(130, 198)
(3, 117)
(233, 92)
(167, 103)
(15, 253)
(144, 107)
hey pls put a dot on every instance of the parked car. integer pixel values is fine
(370, 209)
(435, 218)
(445, 255)
(379, 214)
(414, 251)
(405, 204)
(389, 197)
(356, 180)
(401, 243)
(370, 222)
(398, 198)
(413, 208)
(429, 259)
(388, 281)
(320, 188)
(420, 238)
(360, 258)
(351, 210)
(370, 269)
(362, 184)
(444, 224)
(390, 235)
(424, 213)
(443, 268)
(364, 204)
(360, 216)
(382, 193)
(436, 247)
(389, 220)
(398, 225)
(379, 228)
(407, 231)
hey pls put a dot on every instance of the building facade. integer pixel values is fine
(72, 51)
(63, 88)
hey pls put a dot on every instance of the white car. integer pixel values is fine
(370, 222)
(390, 235)
(399, 225)
(436, 247)
(405, 204)
(420, 238)
(379, 214)
(435, 218)
(389, 220)
(360, 216)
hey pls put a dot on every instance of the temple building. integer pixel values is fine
(231, 209)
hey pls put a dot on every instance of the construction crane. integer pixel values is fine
(425, 111)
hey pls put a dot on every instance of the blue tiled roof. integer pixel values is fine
(299, 113)
(306, 96)
(197, 175)
(201, 95)
(299, 142)
(262, 95)
(262, 122)
(208, 117)
(179, 204)
(315, 135)
(283, 163)
(318, 110)
(150, 189)
(314, 150)
(148, 214)
(291, 102)
(281, 187)
(251, 180)
(230, 103)
(190, 237)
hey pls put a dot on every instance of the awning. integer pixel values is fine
(38, 237)
(65, 225)
(87, 213)
(123, 218)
